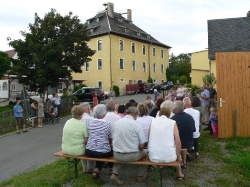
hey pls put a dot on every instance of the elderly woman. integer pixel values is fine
(99, 139)
(75, 133)
(164, 143)
(168, 104)
(157, 107)
(144, 120)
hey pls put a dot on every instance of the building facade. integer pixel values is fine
(124, 53)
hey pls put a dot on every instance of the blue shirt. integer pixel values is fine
(206, 93)
(56, 100)
(16, 113)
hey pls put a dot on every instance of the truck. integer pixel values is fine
(132, 88)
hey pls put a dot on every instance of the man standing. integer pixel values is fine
(18, 113)
(196, 116)
(205, 102)
(57, 102)
(186, 127)
(157, 94)
(111, 116)
(181, 91)
(128, 144)
(213, 93)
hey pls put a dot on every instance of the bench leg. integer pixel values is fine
(73, 163)
(158, 176)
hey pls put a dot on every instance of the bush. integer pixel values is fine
(117, 90)
(150, 80)
(78, 87)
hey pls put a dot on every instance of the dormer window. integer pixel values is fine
(130, 23)
(120, 20)
(88, 22)
(97, 19)
(138, 34)
(126, 31)
(148, 37)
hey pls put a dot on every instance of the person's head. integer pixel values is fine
(132, 111)
(159, 102)
(111, 89)
(100, 111)
(203, 87)
(210, 86)
(135, 104)
(77, 112)
(187, 102)
(110, 105)
(18, 102)
(121, 109)
(40, 100)
(132, 101)
(180, 85)
(143, 109)
(47, 100)
(178, 107)
(127, 105)
(167, 104)
(213, 110)
(196, 102)
(56, 94)
(165, 111)
(86, 107)
(148, 98)
(171, 90)
(32, 101)
(155, 90)
(166, 98)
(172, 96)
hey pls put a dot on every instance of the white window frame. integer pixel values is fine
(162, 53)
(99, 67)
(99, 45)
(87, 66)
(162, 68)
(154, 67)
(144, 47)
(122, 45)
(99, 83)
(133, 46)
(144, 68)
(13, 86)
(122, 63)
(133, 65)
(153, 51)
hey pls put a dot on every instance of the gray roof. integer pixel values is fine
(228, 35)
(123, 28)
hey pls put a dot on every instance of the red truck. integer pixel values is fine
(135, 88)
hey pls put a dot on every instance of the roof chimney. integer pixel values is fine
(111, 10)
(248, 14)
(129, 15)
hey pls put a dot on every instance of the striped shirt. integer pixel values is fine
(127, 135)
(99, 133)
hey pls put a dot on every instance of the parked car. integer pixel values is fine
(151, 90)
(167, 85)
(85, 94)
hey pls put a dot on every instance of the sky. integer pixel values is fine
(180, 24)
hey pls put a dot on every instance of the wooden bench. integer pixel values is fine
(74, 160)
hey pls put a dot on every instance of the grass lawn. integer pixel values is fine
(224, 162)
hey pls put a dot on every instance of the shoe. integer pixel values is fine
(189, 157)
(95, 175)
(180, 178)
(142, 178)
(39, 126)
(197, 156)
(183, 166)
(18, 133)
(115, 180)
(25, 131)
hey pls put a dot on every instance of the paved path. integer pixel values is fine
(24, 152)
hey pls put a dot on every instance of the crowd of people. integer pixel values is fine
(164, 130)
(49, 110)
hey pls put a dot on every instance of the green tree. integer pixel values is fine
(180, 65)
(209, 79)
(150, 80)
(54, 47)
(4, 63)
(168, 74)
(183, 79)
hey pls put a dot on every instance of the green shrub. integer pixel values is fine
(150, 80)
(78, 87)
(117, 90)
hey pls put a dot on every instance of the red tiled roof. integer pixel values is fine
(11, 53)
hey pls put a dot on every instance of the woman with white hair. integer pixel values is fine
(99, 141)
(168, 104)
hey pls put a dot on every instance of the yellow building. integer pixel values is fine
(199, 66)
(124, 52)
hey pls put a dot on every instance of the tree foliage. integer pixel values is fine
(4, 63)
(168, 74)
(180, 65)
(54, 47)
(209, 79)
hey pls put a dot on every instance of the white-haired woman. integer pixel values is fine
(168, 104)
(99, 141)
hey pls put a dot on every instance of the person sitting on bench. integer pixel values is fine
(164, 143)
